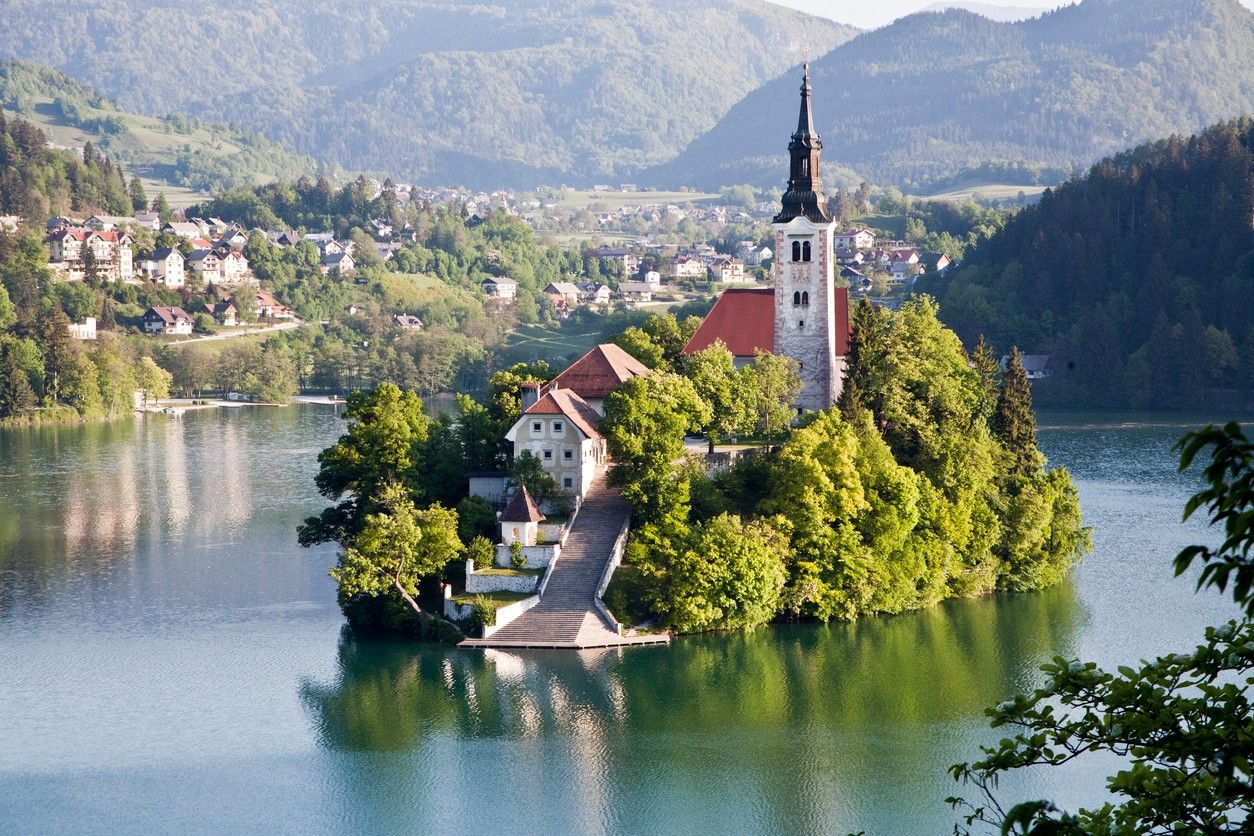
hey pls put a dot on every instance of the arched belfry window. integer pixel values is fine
(805, 168)
(805, 251)
(796, 250)
(805, 298)
(796, 299)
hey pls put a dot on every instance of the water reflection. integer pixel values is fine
(791, 724)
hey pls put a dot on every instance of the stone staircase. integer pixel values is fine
(566, 615)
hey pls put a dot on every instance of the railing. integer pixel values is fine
(616, 557)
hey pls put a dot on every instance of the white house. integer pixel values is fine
(636, 291)
(160, 319)
(165, 266)
(85, 330)
(499, 287)
(207, 264)
(689, 267)
(727, 271)
(854, 239)
(560, 430)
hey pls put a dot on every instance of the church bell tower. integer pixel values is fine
(804, 271)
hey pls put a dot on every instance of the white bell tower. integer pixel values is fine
(804, 271)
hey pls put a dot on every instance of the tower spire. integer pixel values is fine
(805, 188)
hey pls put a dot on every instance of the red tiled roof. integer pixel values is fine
(745, 321)
(599, 372)
(521, 508)
(566, 403)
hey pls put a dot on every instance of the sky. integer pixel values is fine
(871, 13)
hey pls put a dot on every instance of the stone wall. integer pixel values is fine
(537, 557)
(480, 582)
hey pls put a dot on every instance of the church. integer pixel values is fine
(804, 316)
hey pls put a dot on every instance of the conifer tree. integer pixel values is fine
(57, 345)
(16, 395)
(985, 364)
(107, 320)
(139, 200)
(1013, 422)
(162, 207)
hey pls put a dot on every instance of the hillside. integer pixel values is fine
(481, 93)
(173, 154)
(928, 100)
(1138, 278)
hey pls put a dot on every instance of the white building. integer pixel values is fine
(165, 267)
(499, 287)
(561, 431)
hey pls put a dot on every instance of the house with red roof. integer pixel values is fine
(560, 429)
(597, 373)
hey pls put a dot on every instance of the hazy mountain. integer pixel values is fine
(991, 10)
(928, 100)
(486, 93)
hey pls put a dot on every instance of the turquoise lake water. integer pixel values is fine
(171, 661)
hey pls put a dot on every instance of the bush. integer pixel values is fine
(481, 552)
(482, 613)
(516, 557)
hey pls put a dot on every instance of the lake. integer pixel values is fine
(171, 661)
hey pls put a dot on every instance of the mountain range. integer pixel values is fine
(936, 99)
(508, 92)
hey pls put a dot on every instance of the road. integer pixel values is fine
(269, 329)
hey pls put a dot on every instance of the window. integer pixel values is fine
(796, 250)
(537, 427)
(567, 482)
(805, 251)
(548, 455)
(568, 455)
(796, 299)
(558, 427)
(801, 323)
(805, 298)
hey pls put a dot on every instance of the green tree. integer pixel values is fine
(152, 380)
(139, 200)
(1181, 725)
(646, 420)
(58, 348)
(774, 382)
(989, 373)
(730, 395)
(527, 471)
(396, 548)
(8, 313)
(383, 444)
(730, 577)
(17, 398)
(162, 207)
(1013, 421)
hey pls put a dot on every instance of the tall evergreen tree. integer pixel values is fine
(16, 395)
(107, 320)
(57, 345)
(139, 200)
(1013, 421)
(985, 364)
(162, 207)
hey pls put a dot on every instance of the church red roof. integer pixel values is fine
(599, 372)
(745, 321)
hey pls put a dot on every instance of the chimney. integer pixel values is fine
(530, 393)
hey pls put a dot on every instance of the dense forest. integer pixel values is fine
(484, 94)
(926, 483)
(941, 100)
(1137, 279)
